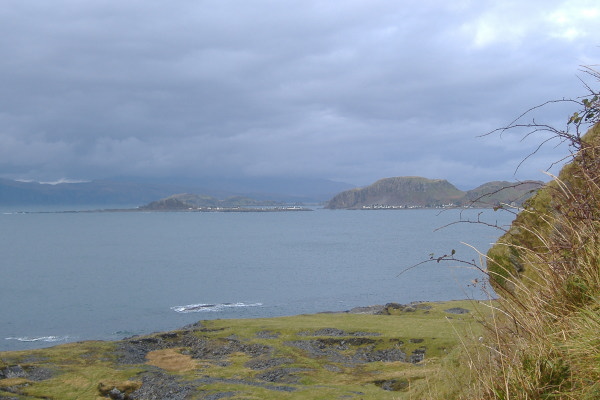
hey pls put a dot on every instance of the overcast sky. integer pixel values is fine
(348, 90)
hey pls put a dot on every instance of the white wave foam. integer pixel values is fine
(211, 307)
(40, 339)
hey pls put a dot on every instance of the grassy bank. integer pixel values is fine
(545, 341)
(408, 352)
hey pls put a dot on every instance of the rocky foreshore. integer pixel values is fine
(219, 359)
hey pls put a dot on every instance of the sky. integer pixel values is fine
(347, 90)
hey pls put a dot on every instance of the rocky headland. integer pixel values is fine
(417, 192)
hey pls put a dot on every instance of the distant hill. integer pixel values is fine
(501, 192)
(401, 191)
(186, 201)
(94, 192)
(136, 192)
(406, 192)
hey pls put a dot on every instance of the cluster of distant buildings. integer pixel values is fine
(247, 209)
(390, 207)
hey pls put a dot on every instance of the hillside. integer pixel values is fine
(409, 192)
(501, 192)
(546, 269)
(94, 192)
(135, 191)
(572, 198)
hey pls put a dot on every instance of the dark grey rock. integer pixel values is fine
(40, 374)
(394, 306)
(281, 375)
(221, 348)
(412, 307)
(417, 356)
(336, 350)
(260, 363)
(366, 334)
(330, 332)
(194, 326)
(457, 310)
(171, 335)
(421, 306)
(157, 385)
(116, 394)
(394, 385)
(314, 348)
(219, 395)
(267, 335)
(13, 371)
(376, 309)
(134, 351)
(385, 355)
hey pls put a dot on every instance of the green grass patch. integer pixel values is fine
(320, 356)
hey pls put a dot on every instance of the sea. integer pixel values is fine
(73, 276)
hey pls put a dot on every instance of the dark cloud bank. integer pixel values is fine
(351, 91)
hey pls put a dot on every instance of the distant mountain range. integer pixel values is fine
(408, 192)
(95, 192)
(134, 192)
(386, 193)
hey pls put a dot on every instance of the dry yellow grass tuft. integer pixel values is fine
(80, 382)
(171, 360)
(8, 382)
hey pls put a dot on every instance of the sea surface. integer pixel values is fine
(78, 276)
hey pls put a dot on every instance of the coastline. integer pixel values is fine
(191, 210)
(377, 351)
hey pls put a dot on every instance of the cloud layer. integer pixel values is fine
(345, 90)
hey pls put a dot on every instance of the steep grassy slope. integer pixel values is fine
(552, 217)
(545, 336)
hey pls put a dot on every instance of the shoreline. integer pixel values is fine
(195, 210)
(366, 352)
(50, 341)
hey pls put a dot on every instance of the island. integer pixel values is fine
(202, 203)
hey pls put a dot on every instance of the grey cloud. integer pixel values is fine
(350, 90)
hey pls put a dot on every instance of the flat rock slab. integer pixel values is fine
(457, 310)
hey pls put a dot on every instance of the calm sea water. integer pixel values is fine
(78, 276)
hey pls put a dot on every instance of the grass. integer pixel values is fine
(87, 370)
(78, 369)
(171, 360)
(543, 339)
